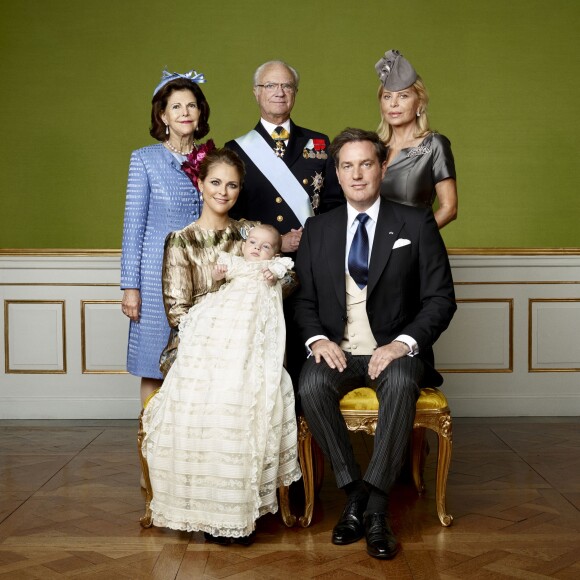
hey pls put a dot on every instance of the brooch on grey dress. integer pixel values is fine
(417, 151)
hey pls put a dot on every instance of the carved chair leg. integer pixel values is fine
(305, 456)
(443, 461)
(147, 520)
(288, 519)
(418, 458)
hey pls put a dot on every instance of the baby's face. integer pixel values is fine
(260, 245)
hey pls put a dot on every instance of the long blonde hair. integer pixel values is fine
(422, 128)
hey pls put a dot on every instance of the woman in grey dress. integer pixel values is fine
(420, 165)
(161, 198)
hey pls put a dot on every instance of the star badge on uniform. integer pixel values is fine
(317, 183)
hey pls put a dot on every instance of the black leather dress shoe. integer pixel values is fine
(381, 543)
(350, 527)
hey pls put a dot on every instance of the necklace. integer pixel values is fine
(175, 150)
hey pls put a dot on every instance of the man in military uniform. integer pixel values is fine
(296, 152)
(289, 174)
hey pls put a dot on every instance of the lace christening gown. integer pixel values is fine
(221, 432)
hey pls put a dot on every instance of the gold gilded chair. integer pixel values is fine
(147, 520)
(312, 466)
(360, 411)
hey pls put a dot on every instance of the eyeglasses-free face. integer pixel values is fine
(220, 190)
(181, 114)
(360, 173)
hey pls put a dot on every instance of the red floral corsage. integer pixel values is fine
(191, 165)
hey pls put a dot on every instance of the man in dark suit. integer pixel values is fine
(376, 292)
(289, 175)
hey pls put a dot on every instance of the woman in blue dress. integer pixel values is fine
(420, 165)
(161, 198)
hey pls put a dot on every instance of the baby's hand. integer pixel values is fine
(219, 272)
(269, 277)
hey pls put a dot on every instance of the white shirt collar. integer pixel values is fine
(372, 212)
(270, 126)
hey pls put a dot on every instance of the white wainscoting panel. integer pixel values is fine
(480, 392)
(488, 323)
(73, 280)
(36, 342)
(104, 336)
(511, 350)
(555, 335)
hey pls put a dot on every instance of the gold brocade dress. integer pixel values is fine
(221, 431)
(189, 257)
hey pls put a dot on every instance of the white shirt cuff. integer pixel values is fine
(410, 342)
(314, 339)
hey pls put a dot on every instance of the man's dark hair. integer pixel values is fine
(350, 135)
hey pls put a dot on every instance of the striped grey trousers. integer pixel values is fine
(397, 388)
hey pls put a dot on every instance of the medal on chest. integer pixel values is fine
(317, 184)
(315, 149)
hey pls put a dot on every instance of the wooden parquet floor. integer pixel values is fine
(70, 504)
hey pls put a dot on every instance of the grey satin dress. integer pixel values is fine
(412, 175)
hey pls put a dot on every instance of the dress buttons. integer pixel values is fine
(305, 181)
(353, 347)
(279, 199)
(280, 218)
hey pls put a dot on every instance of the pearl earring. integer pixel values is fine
(167, 129)
(418, 114)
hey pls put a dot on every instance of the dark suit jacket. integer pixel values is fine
(259, 200)
(410, 288)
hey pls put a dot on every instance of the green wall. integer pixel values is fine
(76, 81)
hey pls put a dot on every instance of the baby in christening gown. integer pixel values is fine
(221, 432)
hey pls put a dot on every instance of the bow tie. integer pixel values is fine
(280, 134)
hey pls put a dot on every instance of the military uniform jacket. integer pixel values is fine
(260, 201)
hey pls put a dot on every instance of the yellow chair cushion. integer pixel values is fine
(150, 397)
(431, 400)
(365, 399)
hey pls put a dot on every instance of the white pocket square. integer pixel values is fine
(400, 243)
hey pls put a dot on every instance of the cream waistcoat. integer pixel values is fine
(358, 336)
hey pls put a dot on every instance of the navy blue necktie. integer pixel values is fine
(358, 257)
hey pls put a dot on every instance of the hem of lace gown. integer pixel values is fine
(216, 529)
(161, 521)
(288, 478)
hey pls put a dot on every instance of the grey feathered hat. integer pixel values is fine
(395, 71)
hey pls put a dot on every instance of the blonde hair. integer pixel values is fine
(422, 128)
